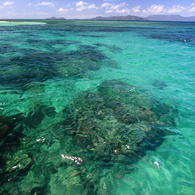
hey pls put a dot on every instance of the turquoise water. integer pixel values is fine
(72, 93)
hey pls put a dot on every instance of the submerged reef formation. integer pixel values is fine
(180, 36)
(117, 120)
(99, 136)
(77, 63)
(7, 124)
(40, 66)
(110, 129)
(159, 84)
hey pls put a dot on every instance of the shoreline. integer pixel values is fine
(6, 21)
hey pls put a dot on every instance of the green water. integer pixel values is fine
(45, 72)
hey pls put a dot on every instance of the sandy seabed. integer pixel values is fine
(20, 22)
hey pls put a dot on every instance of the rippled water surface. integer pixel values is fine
(97, 108)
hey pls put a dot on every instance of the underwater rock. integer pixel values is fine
(94, 36)
(34, 66)
(7, 48)
(112, 48)
(66, 181)
(10, 142)
(4, 129)
(128, 99)
(110, 63)
(159, 84)
(29, 68)
(35, 117)
(16, 164)
(57, 45)
(117, 120)
(7, 123)
(34, 87)
(67, 69)
(103, 132)
(77, 63)
(48, 110)
(86, 59)
(37, 191)
(177, 36)
(2, 161)
(18, 161)
(117, 124)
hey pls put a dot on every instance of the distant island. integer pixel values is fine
(149, 18)
(170, 18)
(54, 18)
(129, 17)
(137, 18)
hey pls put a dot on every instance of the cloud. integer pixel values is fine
(106, 5)
(175, 9)
(156, 9)
(80, 8)
(136, 9)
(91, 6)
(83, 5)
(81, 16)
(192, 9)
(118, 11)
(109, 11)
(50, 4)
(42, 13)
(8, 3)
(123, 11)
(115, 8)
(80, 3)
(62, 10)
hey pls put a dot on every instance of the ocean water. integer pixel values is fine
(97, 107)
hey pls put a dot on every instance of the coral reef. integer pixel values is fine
(36, 67)
(110, 129)
(96, 140)
(159, 84)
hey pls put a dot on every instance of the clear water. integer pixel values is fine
(44, 67)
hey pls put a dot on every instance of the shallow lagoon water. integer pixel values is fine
(48, 69)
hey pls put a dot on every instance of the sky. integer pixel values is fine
(70, 9)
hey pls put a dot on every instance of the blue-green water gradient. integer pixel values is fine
(45, 66)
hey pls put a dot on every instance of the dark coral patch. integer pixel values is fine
(113, 127)
(159, 84)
